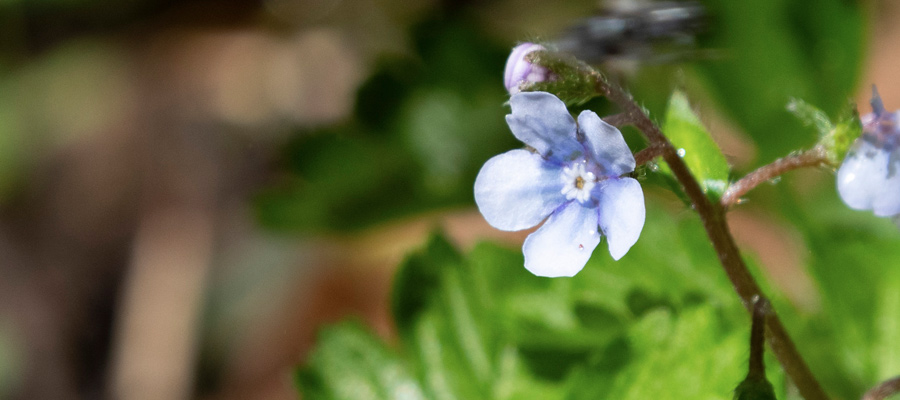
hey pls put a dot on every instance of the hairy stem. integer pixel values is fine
(757, 369)
(618, 120)
(646, 155)
(713, 217)
(884, 390)
(815, 157)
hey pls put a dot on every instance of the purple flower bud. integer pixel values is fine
(869, 177)
(519, 70)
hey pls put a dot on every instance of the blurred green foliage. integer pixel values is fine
(661, 323)
(481, 326)
(423, 126)
(424, 123)
(852, 343)
(776, 50)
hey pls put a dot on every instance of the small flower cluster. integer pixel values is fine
(869, 178)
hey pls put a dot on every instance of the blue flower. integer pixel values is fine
(520, 71)
(869, 178)
(574, 176)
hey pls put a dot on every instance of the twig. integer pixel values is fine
(757, 369)
(884, 390)
(755, 385)
(618, 120)
(646, 155)
(713, 217)
(815, 157)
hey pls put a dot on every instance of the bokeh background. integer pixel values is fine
(190, 189)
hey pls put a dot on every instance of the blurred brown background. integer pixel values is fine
(133, 137)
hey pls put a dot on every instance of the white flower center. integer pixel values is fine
(577, 183)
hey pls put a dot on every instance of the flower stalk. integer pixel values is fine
(648, 154)
(617, 120)
(815, 157)
(713, 217)
(755, 386)
(884, 390)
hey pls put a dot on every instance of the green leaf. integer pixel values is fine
(698, 353)
(439, 311)
(444, 364)
(699, 151)
(419, 278)
(811, 116)
(480, 326)
(835, 138)
(839, 140)
(349, 363)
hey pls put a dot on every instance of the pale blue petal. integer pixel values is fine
(605, 144)
(869, 179)
(517, 190)
(621, 213)
(541, 120)
(564, 243)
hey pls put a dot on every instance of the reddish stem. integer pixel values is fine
(884, 390)
(713, 217)
(810, 158)
(757, 369)
(618, 120)
(646, 155)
